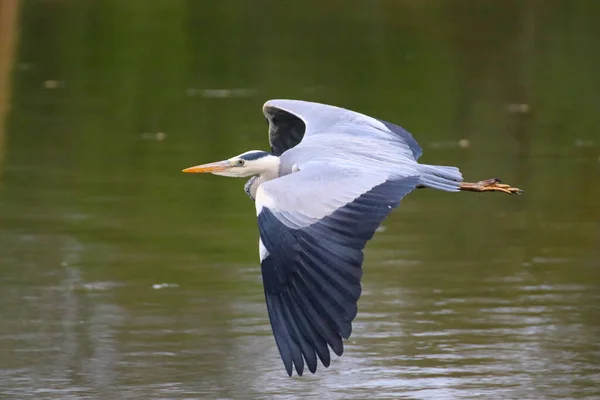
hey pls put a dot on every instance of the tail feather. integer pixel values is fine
(440, 177)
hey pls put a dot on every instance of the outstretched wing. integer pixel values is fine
(291, 120)
(313, 227)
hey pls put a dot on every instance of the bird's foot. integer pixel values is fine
(490, 185)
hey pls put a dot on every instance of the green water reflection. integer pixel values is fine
(465, 295)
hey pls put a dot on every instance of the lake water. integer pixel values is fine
(122, 278)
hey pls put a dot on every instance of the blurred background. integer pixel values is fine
(121, 277)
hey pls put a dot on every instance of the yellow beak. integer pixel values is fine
(218, 166)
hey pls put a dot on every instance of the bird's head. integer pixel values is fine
(253, 162)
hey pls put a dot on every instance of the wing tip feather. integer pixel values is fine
(291, 295)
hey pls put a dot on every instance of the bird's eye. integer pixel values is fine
(240, 162)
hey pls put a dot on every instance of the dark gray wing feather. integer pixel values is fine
(406, 136)
(312, 274)
(286, 130)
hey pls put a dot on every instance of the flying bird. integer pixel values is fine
(332, 176)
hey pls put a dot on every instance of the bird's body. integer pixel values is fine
(330, 179)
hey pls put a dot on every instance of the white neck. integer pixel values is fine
(255, 184)
(267, 169)
(266, 166)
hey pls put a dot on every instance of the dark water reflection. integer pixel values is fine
(120, 277)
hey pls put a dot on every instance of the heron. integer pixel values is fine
(331, 178)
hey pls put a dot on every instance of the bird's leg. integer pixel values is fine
(489, 185)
